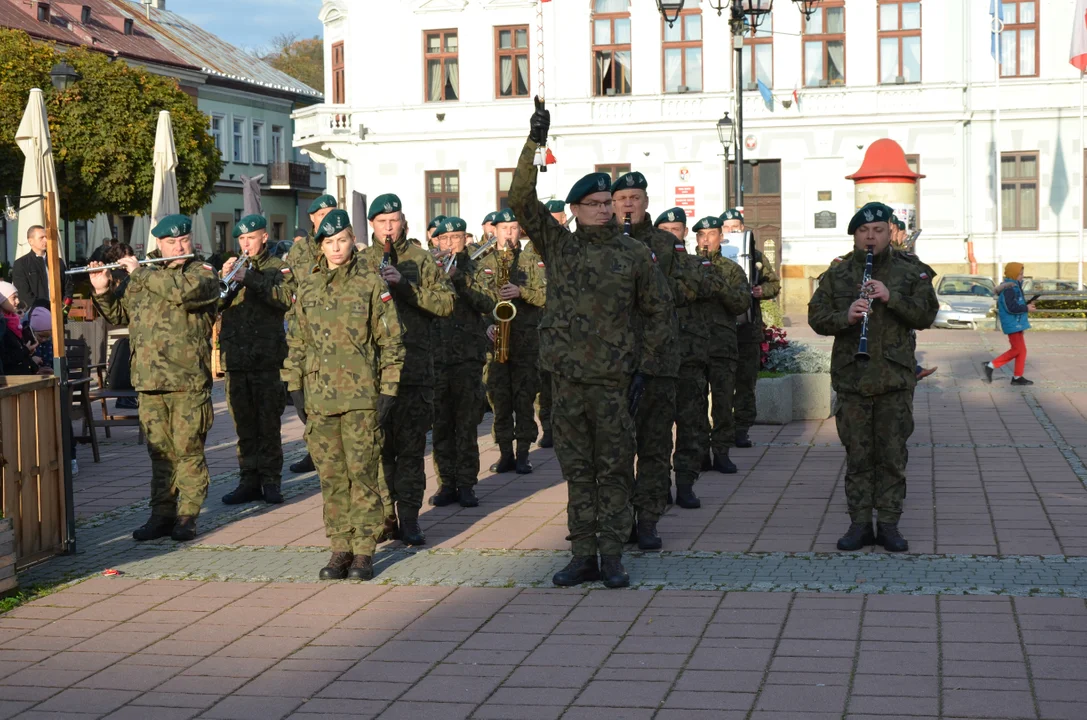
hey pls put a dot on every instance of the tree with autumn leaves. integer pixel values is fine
(103, 129)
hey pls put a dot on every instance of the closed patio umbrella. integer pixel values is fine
(39, 173)
(164, 194)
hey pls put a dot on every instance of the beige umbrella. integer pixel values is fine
(141, 230)
(101, 234)
(164, 195)
(201, 242)
(39, 174)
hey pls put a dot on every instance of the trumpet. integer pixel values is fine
(862, 345)
(228, 285)
(504, 311)
(450, 257)
(115, 266)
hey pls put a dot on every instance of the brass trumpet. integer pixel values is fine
(228, 285)
(504, 311)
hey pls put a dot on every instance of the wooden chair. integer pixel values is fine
(78, 395)
(102, 393)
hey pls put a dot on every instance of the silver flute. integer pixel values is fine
(115, 266)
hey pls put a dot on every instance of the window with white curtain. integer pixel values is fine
(440, 56)
(758, 53)
(824, 45)
(1019, 41)
(683, 53)
(899, 41)
(239, 139)
(611, 47)
(258, 141)
(511, 61)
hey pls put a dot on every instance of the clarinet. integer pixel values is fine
(627, 225)
(862, 346)
(385, 259)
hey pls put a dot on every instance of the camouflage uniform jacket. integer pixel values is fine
(345, 341)
(526, 272)
(912, 306)
(462, 337)
(701, 287)
(771, 286)
(662, 246)
(728, 301)
(597, 278)
(252, 336)
(423, 293)
(170, 312)
(303, 255)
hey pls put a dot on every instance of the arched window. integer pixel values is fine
(611, 47)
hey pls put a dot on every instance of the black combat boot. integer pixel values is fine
(468, 497)
(633, 537)
(612, 572)
(304, 465)
(857, 536)
(362, 568)
(524, 467)
(580, 569)
(686, 498)
(648, 539)
(546, 440)
(242, 494)
(337, 566)
(272, 494)
(184, 528)
(158, 526)
(707, 463)
(390, 531)
(722, 464)
(410, 532)
(890, 538)
(743, 440)
(446, 495)
(506, 461)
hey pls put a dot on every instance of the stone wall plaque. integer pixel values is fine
(825, 219)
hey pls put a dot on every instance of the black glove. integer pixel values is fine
(299, 399)
(385, 404)
(637, 389)
(539, 124)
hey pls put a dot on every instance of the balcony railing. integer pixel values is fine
(289, 175)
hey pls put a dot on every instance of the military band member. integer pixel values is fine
(488, 227)
(303, 255)
(169, 311)
(598, 279)
(431, 231)
(253, 348)
(749, 337)
(460, 349)
(723, 345)
(557, 208)
(421, 292)
(874, 409)
(512, 385)
(346, 348)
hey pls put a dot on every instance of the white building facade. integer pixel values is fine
(431, 99)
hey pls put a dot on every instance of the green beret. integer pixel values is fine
(901, 225)
(336, 221)
(173, 226)
(250, 223)
(434, 223)
(504, 216)
(872, 212)
(490, 217)
(554, 206)
(382, 204)
(325, 201)
(731, 214)
(451, 224)
(591, 183)
(710, 222)
(676, 214)
(630, 181)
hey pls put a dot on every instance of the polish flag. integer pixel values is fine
(796, 95)
(1078, 54)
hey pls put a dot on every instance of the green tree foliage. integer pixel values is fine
(301, 59)
(103, 130)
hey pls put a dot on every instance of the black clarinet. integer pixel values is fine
(626, 225)
(862, 346)
(386, 258)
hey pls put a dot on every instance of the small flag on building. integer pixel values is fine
(1078, 54)
(796, 95)
(767, 96)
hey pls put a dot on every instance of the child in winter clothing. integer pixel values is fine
(40, 324)
(1012, 309)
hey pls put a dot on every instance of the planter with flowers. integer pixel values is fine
(794, 383)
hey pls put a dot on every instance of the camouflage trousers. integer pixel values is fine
(458, 397)
(874, 431)
(543, 401)
(692, 423)
(511, 390)
(721, 373)
(345, 450)
(653, 480)
(747, 374)
(405, 445)
(176, 425)
(256, 401)
(594, 443)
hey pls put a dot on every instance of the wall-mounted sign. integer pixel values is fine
(751, 142)
(825, 219)
(824, 195)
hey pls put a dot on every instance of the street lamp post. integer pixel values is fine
(725, 130)
(64, 76)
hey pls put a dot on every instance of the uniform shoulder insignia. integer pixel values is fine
(488, 271)
(540, 263)
(208, 267)
(653, 256)
(924, 275)
(286, 269)
(386, 296)
(836, 260)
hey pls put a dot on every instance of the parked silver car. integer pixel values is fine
(964, 300)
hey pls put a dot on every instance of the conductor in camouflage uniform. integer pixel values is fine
(169, 311)
(254, 347)
(874, 410)
(303, 256)
(598, 279)
(511, 385)
(749, 337)
(557, 208)
(723, 345)
(345, 348)
(460, 349)
(421, 292)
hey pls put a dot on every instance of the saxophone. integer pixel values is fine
(504, 311)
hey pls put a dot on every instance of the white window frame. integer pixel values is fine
(238, 150)
(220, 138)
(256, 132)
(277, 157)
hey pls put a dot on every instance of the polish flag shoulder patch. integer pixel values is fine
(285, 270)
(488, 271)
(654, 256)
(540, 263)
(706, 263)
(680, 247)
(924, 276)
(208, 267)
(386, 296)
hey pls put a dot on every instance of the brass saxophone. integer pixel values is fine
(504, 311)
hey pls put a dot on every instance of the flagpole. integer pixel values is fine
(999, 220)
(1082, 219)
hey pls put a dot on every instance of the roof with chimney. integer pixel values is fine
(214, 56)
